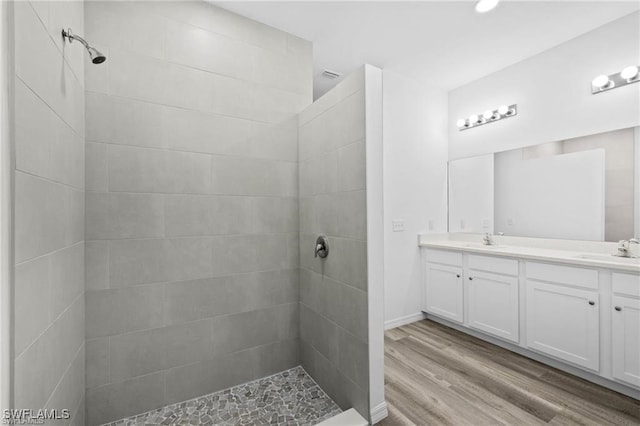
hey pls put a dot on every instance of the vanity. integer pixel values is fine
(565, 305)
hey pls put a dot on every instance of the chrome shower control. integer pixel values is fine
(322, 247)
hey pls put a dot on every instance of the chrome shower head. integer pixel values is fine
(94, 54)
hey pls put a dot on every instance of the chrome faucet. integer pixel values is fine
(487, 240)
(624, 249)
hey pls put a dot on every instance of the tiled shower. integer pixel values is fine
(167, 205)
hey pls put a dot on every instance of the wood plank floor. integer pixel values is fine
(435, 375)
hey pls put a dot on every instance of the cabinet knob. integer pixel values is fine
(470, 278)
(591, 302)
(458, 275)
(618, 308)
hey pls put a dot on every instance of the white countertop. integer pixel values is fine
(590, 259)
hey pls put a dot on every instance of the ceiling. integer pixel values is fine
(443, 43)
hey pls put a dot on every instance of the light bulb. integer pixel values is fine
(601, 81)
(488, 114)
(503, 110)
(629, 73)
(461, 122)
(486, 5)
(473, 119)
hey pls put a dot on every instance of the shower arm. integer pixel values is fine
(71, 36)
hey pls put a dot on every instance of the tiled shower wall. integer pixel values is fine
(49, 351)
(333, 291)
(191, 204)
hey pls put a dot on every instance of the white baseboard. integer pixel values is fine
(379, 412)
(408, 319)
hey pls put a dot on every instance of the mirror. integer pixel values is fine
(583, 188)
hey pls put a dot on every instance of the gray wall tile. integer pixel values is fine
(236, 332)
(97, 360)
(117, 311)
(96, 171)
(96, 266)
(188, 215)
(118, 400)
(136, 354)
(66, 274)
(32, 301)
(352, 167)
(196, 299)
(159, 260)
(124, 121)
(207, 132)
(48, 355)
(275, 357)
(40, 367)
(352, 351)
(117, 216)
(244, 176)
(142, 352)
(201, 378)
(69, 391)
(193, 211)
(333, 291)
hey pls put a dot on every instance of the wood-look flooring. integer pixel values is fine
(435, 375)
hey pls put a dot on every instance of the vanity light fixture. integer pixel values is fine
(629, 73)
(603, 82)
(489, 116)
(483, 6)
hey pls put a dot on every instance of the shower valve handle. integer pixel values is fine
(322, 247)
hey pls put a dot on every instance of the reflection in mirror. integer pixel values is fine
(471, 194)
(581, 188)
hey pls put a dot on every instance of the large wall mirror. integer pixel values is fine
(585, 188)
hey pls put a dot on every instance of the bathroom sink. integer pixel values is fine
(610, 258)
(480, 245)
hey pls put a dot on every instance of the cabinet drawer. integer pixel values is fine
(578, 277)
(626, 284)
(444, 257)
(496, 265)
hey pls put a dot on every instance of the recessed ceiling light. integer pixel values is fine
(486, 5)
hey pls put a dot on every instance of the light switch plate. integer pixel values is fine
(397, 225)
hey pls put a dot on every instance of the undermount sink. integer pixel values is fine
(480, 245)
(609, 258)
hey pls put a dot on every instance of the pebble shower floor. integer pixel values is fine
(287, 398)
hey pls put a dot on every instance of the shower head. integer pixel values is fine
(94, 54)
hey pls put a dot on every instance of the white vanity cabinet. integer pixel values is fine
(493, 296)
(581, 318)
(625, 324)
(444, 285)
(562, 313)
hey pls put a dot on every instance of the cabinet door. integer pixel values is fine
(493, 304)
(443, 295)
(626, 339)
(563, 322)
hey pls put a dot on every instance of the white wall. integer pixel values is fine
(471, 194)
(537, 197)
(375, 240)
(636, 181)
(415, 188)
(553, 93)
